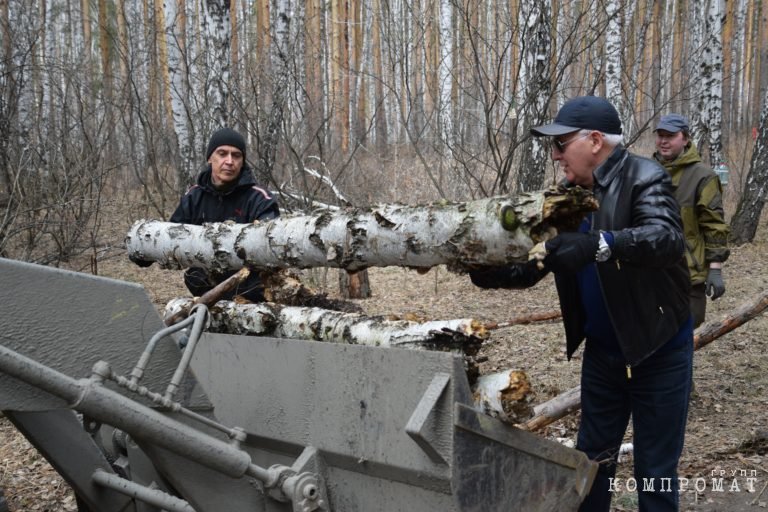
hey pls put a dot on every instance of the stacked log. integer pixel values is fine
(462, 236)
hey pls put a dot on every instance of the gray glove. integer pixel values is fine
(714, 285)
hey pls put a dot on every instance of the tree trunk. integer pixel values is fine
(354, 285)
(495, 231)
(747, 216)
(537, 93)
(217, 34)
(279, 55)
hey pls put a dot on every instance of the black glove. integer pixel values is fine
(138, 261)
(714, 285)
(569, 252)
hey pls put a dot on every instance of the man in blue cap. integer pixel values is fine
(623, 287)
(700, 195)
(225, 190)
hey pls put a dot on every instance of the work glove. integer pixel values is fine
(138, 261)
(714, 285)
(567, 253)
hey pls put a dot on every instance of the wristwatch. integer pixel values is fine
(603, 250)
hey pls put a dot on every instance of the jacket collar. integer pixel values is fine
(244, 180)
(607, 171)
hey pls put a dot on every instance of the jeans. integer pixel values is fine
(656, 397)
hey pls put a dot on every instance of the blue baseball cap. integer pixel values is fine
(582, 113)
(673, 123)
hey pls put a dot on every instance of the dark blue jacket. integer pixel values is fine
(645, 283)
(243, 203)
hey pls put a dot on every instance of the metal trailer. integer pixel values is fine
(100, 386)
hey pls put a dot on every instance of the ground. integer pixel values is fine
(727, 433)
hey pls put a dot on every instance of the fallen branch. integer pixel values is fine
(552, 410)
(527, 318)
(710, 331)
(210, 297)
(493, 231)
(570, 401)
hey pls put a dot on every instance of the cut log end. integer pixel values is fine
(505, 395)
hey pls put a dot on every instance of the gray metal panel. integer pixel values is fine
(69, 321)
(59, 436)
(351, 402)
(498, 467)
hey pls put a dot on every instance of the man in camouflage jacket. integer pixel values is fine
(700, 195)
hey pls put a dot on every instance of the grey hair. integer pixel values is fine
(611, 139)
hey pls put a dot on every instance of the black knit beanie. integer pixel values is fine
(225, 137)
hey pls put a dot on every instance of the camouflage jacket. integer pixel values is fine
(700, 195)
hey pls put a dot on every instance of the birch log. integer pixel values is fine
(269, 319)
(504, 395)
(493, 231)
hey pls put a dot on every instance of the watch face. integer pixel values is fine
(603, 250)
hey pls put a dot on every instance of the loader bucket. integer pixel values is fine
(372, 429)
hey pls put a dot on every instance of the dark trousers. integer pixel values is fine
(199, 281)
(656, 397)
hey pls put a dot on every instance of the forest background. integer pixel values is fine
(111, 102)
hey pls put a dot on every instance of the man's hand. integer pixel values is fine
(569, 252)
(139, 261)
(714, 285)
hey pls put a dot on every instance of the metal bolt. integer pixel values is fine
(310, 491)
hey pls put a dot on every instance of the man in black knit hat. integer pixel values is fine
(225, 190)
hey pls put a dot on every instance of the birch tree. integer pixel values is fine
(747, 217)
(708, 94)
(536, 17)
(181, 109)
(279, 55)
(613, 67)
(216, 30)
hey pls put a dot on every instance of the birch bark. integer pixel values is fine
(217, 35)
(493, 231)
(537, 18)
(747, 216)
(316, 324)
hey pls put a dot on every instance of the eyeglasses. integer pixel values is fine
(560, 146)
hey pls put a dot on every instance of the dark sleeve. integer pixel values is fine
(181, 215)
(271, 212)
(262, 205)
(523, 275)
(655, 238)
